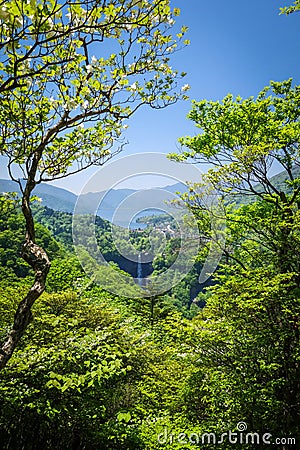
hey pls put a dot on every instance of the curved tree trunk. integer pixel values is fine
(38, 259)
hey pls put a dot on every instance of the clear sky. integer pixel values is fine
(237, 46)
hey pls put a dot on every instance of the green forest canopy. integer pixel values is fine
(94, 370)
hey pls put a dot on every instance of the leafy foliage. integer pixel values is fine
(101, 371)
(248, 345)
(12, 230)
(86, 374)
(290, 9)
(65, 104)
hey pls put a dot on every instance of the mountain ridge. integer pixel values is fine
(60, 199)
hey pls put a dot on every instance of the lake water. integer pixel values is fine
(134, 225)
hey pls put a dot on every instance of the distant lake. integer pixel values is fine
(134, 225)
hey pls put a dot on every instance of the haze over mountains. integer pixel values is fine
(126, 201)
(60, 199)
(55, 198)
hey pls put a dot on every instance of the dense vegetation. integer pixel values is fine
(84, 369)
(67, 106)
(88, 371)
(99, 371)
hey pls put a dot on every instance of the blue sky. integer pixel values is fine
(237, 46)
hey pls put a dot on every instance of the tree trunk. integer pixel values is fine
(38, 259)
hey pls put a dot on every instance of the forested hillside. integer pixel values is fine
(95, 370)
(183, 333)
(92, 363)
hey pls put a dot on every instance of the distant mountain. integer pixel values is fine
(60, 199)
(125, 202)
(174, 188)
(278, 181)
(105, 203)
(55, 198)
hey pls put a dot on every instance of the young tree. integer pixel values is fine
(242, 140)
(250, 336)
(70, 73)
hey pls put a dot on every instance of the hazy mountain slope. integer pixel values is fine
(60, 199)
(56, 198)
